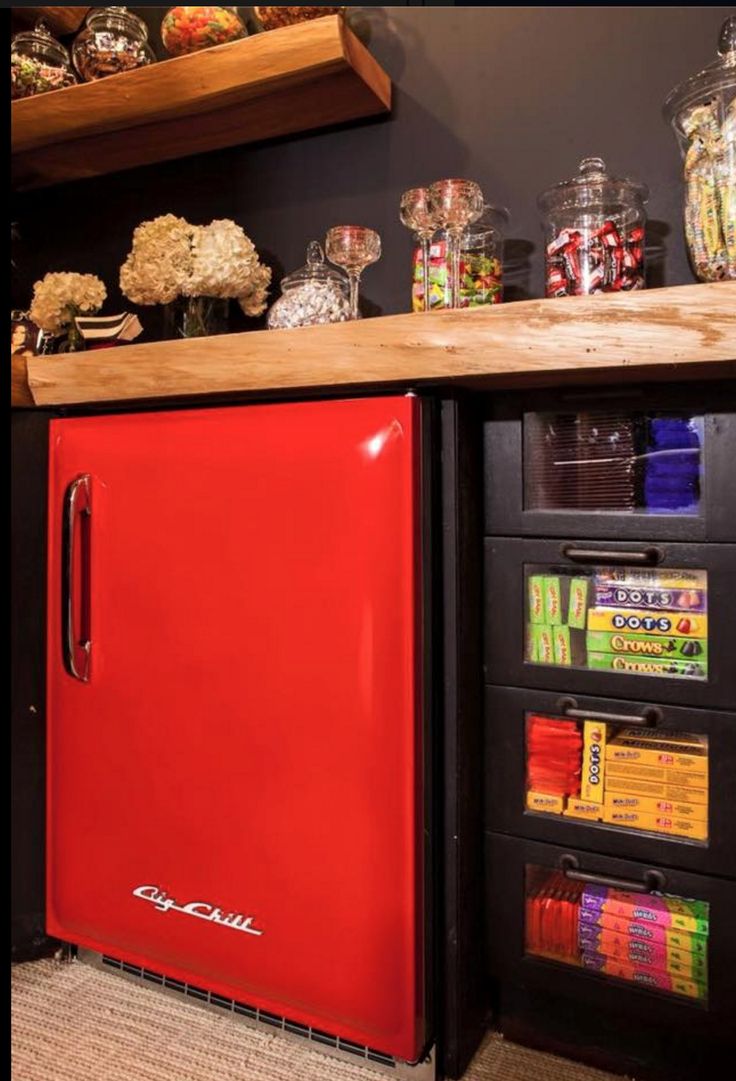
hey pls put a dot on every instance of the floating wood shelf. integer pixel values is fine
(278, 83)
(682, 332)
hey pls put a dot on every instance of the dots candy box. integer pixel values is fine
(632, 594)
(640, 620)
(658, 911)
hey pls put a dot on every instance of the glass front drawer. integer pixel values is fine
(612, 618)
(613, 463)
(630, 778)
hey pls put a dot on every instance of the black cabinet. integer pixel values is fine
(609, 753)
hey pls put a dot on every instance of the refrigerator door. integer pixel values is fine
(235, 788)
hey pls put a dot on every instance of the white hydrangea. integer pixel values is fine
(171, 258)
(58, 297)
(159, 266)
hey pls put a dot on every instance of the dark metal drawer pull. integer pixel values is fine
(648, 718)
(654, 881)
(648, 556)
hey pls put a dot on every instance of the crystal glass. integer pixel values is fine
(455, 204)
(38, 63)
(353, 247)
(416, 214)
(113, 40)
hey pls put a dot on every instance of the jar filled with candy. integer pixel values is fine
(594, 232)
(38, 63)
(273, 18)
(189, 29)
(481, 265)
(113, 40)
(313, 294)
(702, 111)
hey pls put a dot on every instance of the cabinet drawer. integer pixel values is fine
(547, 777)
(667, 956)
(620, 619)
(618, 464)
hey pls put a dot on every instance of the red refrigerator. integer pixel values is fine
(235, 726)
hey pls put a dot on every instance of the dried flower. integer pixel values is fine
(253, 300)
(57, 298)
(172, 258)
(159, 265)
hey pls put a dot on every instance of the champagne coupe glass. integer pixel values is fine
(456, 204)
(353, 247)
(416, 214)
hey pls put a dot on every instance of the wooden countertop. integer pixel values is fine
(680, 332)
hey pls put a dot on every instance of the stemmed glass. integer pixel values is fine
(455, 204)
(416, 214)
(353, 247)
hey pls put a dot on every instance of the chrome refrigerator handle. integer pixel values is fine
(77, 644)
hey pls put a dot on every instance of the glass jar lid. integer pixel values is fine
(118, 19)
(315, 270)
(39, 40)
(718, 76)
(494, 219)
(591, 188)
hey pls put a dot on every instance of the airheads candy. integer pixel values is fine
(663, 911)
(674, 624)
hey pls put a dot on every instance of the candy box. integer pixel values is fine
(580, 808)
(657, 955)
(639, 750)
(657, 823)
(561, 645)
(674, 624)
(624, 801)
(635, 771)
(535, 586)
(594, 761)
(539, 801)
(646, 645)
(664, 735)
(651, 666)
(635, 786)
(542, 644)
(664, 911)
(696, 944)
(656, 579)
(646, 977)
(552, 601)
(577, 603)
(629, 594)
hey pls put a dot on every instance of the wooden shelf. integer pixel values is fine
(682, 332)
(278, 83)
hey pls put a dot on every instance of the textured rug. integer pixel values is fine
(71, 1022)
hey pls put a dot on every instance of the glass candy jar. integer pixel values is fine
(313, 294)
(189, 29)
(594, 232)
(481, 265)
(112, 41)
(273, 18)
(38, 63)
(702, 111)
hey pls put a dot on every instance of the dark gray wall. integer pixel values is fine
(512, 97)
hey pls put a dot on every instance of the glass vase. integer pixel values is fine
(203, 316)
